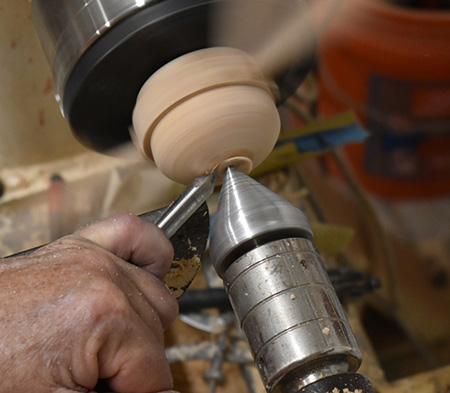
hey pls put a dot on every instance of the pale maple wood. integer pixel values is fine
(205, 111)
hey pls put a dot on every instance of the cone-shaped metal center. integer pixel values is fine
(250, 215)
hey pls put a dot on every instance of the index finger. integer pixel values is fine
(132, 239)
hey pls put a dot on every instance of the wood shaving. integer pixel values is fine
(181, 274)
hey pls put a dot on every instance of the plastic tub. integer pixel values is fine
(392, 66)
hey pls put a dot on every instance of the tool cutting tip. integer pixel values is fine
(213, 177)
(208, 180)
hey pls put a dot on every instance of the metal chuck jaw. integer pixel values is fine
(262, 247)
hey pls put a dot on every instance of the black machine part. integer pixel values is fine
(340, 383)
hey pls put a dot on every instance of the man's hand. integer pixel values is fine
(76, 310)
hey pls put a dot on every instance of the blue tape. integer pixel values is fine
(328, 139)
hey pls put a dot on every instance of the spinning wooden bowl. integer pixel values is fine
(204, 111)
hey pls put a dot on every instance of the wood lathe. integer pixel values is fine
(196, 101)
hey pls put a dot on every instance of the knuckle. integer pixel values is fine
(70, 242)
(90, 256)
(173, 307)
(126, 220)
(169, 312)
(103, 262)
(106, 301)
(174, 313)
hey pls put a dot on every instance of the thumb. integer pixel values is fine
(132, 239)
